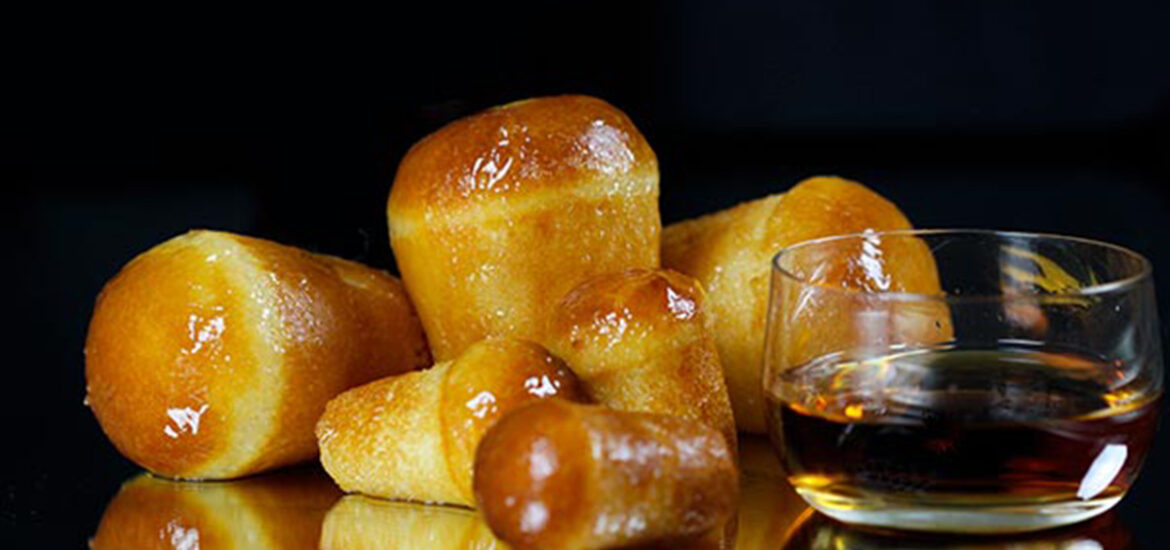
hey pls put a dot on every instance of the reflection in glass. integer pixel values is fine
(281, 511)
(818, 532)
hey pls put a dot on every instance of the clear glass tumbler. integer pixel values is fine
(961, 380)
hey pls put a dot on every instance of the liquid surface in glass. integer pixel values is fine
(1017, 434)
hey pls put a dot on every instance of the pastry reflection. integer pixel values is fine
(304, 509)
(768, 506)
(819, 532)
(357, 522)
(280, 511)
(757, 459)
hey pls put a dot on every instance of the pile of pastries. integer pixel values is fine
(552, 357)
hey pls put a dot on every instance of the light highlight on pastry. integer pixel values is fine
(212, 355)
(495, 216)
(568, 476)
(413, 437)
(640, 341)
(730, 254)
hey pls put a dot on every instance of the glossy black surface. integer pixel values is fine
(300, 508)
(816, 532)
(119, 132)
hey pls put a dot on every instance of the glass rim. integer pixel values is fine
(1143, 273)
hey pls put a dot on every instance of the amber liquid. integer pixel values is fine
(961, 429)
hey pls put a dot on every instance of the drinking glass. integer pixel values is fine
(961, 380)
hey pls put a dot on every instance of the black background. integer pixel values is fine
(119, 130)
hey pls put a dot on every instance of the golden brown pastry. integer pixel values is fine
(212, 355)
(495, 216)
(413, 437)
(568, 476)
(730, 253)
(640, 341)
(362, 523)
(825, 302)
(282, 511)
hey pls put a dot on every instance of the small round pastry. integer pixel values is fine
(282, 511)
(211, 355)
(413, 437)
(640, 341)
(730, 253)
(495, 216)
(576, 477)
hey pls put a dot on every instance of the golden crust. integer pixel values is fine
(212, 354)
(385, 438)
(413, 437)
(730, 253)
(649, 298)
(524, 147)
(579, 198)
(562, 475)
(640, 340)
(281, 512)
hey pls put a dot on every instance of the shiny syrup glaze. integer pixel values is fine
(482, 213)
(607, 305)
(521, 147)
(561, 475)
(616, 311)
(330, 335)
(213, 354)
(640, 341)
(489, 380)
(159, 328)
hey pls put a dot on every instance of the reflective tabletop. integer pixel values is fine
(302, 508)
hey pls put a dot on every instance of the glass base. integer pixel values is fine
(983, 518)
